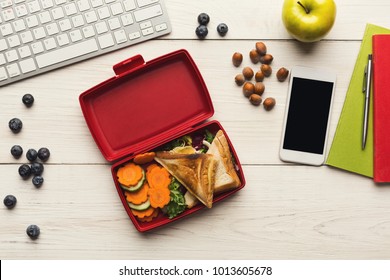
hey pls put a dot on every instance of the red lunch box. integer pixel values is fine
(146, 105)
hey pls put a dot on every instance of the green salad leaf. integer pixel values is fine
(177, 204)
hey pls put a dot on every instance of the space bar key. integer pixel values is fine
(66, 53)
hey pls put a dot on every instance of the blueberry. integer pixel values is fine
(24, 171)
(201, 31)
(33, 231)
(16, 151)
(31, 154)
(222, 29)
(15, 125)
(10, 201)
(28, 100)
(37, 168)
(37, 181)
(43, 154)
(203, 19)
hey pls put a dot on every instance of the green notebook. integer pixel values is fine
(346, 151)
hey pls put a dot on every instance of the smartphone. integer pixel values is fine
(307, 115)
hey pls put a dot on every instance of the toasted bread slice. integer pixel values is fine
(195, 171)
(226, 176)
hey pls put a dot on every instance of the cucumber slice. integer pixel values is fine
(140, 207)
(137, 186)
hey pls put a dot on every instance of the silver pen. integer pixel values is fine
(367, 92)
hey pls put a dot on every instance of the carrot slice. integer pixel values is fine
(129, 174)
(144, 158)
(139, 196)
(143, 213)
(149, 218)
(159, 197)
(158, 177)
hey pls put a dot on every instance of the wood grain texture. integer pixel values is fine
(285, 211)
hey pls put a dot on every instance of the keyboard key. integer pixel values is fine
(145, 24)
(27, 65)
(52, 29)
(62, 39)
(83, 5)
(32, 21)
(6, 3)
(6, 29)
(103, 13)
(11, 55)
(65, 25)
(77, 21)
(3, 45)
(37, 47)
(116, 9)
(70, 9)
(2, 59)
(26, 37)
(21, 10)
(129, 5)
(47, 4)
(91, 17)
(24, 51)
(59, 2)
(101, 27)
(57, 13)
(13, 70)
(127, 19)
(148, 13)
(114, 23)
(106, 41)
(66, 53)
(49, 44)
(142, 3)
(147, 31)
(120, 36)
(96, 3)
(161, 27)
(13, 41)
(39, 33)
(134, 35)
(75, 35)
(8, 14)
(19, 25)
(88, 31)
(44, 17)
(3, 74)
(109, 1)
(33, 6)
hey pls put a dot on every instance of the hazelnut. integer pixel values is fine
(255, 99)
(269, 103)
(254, 56)
(248, 89)
(266, 69)
(240, 79)
(237, 59)
(282, 74)
(248, 73)
(259, 76)
(266, 59)
(259, 88)
(261, 48)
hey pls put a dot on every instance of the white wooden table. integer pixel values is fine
(285, 211)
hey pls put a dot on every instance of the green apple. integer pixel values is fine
(308, 20)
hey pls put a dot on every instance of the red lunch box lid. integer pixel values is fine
(146, 104)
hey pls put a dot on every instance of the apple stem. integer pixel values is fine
(306, 10)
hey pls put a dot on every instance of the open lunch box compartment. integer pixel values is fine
(143, 107)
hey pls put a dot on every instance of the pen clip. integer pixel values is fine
(365, 80)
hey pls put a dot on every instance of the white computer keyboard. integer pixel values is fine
(41, 35)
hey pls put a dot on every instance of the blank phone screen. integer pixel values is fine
(307, 117)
